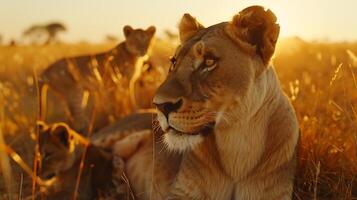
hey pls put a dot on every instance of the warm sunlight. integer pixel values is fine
(178, 99)
(316, 20)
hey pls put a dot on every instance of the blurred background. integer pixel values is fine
(91, 20)
(315, 59)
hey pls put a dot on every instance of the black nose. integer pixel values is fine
(168, 107)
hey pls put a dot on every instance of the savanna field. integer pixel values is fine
(320, 78)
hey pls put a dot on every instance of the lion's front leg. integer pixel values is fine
(200, 179)
(275, 185)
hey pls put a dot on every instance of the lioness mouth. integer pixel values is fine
(206, 130)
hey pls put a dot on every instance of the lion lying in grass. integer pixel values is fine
(228, 130)
(222, 107)
(62, 150)
(225, 128)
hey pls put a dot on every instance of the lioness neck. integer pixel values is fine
(246, 134)
(123, 56)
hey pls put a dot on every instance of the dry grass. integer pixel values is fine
(319, 78)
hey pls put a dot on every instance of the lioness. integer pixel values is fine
(228, 131)
(61, 151)
(222, 107)
(96, 74)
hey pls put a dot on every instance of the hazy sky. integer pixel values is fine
(93, 19)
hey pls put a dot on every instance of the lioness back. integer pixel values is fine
(97, 75)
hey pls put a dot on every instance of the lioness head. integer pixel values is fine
(138, 41)
(56, 147)
(213, 74)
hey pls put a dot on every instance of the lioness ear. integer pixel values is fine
(41, 126)
(151, 30)
(127, 30)
(255, 29)
(188, 27)
(42, 129)
(62, 133)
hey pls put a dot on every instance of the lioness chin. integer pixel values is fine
(222, 106)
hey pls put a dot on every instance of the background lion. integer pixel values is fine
(96, 76)
(61, 151)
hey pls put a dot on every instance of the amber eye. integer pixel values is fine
(209, 62)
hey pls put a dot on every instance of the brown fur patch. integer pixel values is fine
(255, 29)
(188, 27)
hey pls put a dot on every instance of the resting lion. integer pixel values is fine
(232, 131)
(61, 152)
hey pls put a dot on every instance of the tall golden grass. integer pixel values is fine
(319, 78)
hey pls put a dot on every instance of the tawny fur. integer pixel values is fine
(250, 152)
(61, 151)
(98, 75)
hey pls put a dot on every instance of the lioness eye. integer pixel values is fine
(47, 155)
(173, 63)
(209, 62)
(173, 60)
